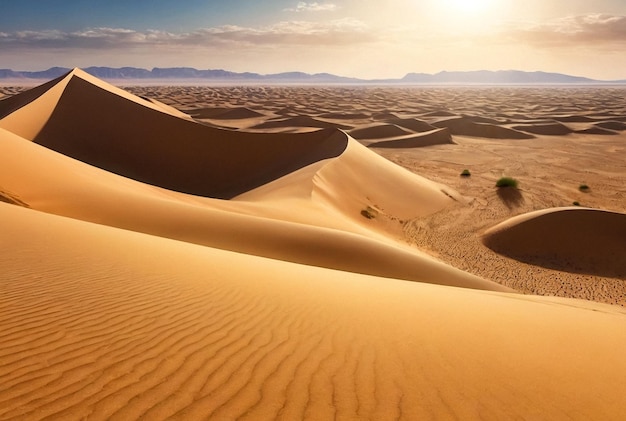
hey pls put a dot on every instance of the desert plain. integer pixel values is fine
(309, 252)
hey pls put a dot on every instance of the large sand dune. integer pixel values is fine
(110, 324)
(130, 288)
(90, 121)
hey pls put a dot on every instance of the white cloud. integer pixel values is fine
(312, 7)
(336, 32)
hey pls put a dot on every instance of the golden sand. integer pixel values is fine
(333, 283)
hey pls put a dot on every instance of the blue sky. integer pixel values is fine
(71, 15)
(363, 38)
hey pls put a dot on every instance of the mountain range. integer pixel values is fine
(483, 77)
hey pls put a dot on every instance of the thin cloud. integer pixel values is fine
(336, 32)
(589, 30)
(312, 7)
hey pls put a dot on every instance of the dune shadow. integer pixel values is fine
(11, 199)
(577, 261)
(511, 196)
(591, 266)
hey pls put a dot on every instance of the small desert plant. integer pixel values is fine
(576, 203)
(507, 182)
(369, 213)
(466, 173)
(583, 187)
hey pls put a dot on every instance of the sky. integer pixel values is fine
(359, 38)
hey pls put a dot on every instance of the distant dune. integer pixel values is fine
(434, 137)
(467, 127)
(224, 113)
(378, 131)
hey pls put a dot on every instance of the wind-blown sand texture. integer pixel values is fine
(130, 288)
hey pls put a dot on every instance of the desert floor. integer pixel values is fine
(256, 253)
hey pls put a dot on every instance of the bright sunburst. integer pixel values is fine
(472, 7)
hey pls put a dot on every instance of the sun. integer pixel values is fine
(467, 7)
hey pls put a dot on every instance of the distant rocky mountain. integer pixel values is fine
(514, 77)
(181, 73)
(498, 77)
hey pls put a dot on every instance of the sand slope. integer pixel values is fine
(327, 230)
(72, 188)
(169, 330)
(88, 120)
(570, 239)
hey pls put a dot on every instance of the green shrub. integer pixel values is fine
(507, 182)
(576, 203)
(583, 187)
(466, 173)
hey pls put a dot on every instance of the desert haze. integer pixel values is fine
(311, 252)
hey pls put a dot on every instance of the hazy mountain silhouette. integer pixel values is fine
(513, 77)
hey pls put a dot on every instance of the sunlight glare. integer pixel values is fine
(467, 7)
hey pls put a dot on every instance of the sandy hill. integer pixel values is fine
(569, 239)
(87, 119)
(328, 228)
(130, 288)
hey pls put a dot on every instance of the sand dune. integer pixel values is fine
(14, 102)
(440, 113)
(76, 190)
(311, 236)
(569, 239)
(413, 124)
(596, 130)
(345, 116)
(378, 131)
(384, 116)
(612, 125)
(102, 127)
(300, 121)
(434, 137)
(466, 127)
(131, 289)
(575, 119)
(223, 113)
(170, 330)
(550, 129)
